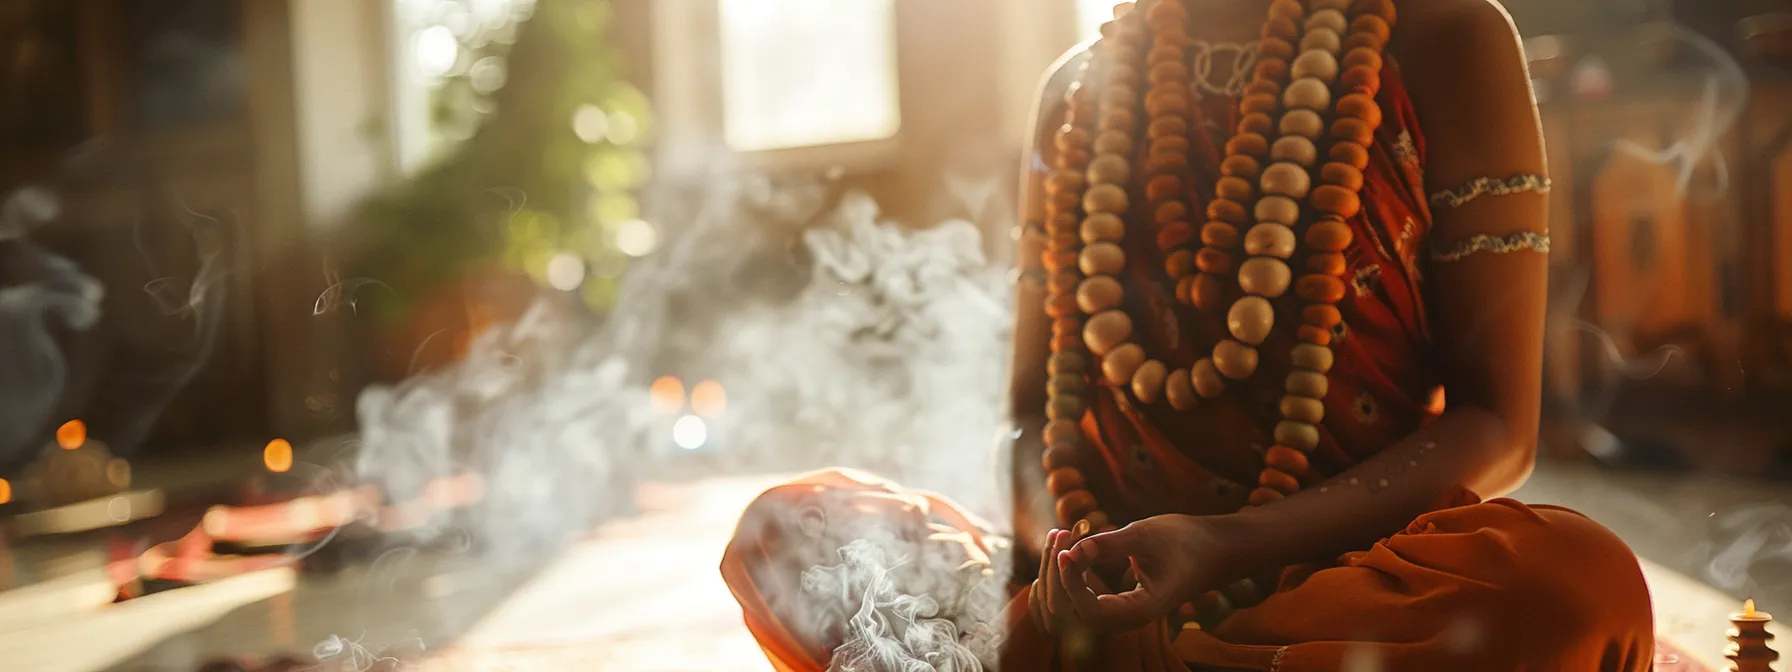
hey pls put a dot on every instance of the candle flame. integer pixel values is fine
(5, 491)
(71, 435)
(1748, 608)
(277, 456)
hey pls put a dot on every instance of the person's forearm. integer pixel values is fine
(1465, 448)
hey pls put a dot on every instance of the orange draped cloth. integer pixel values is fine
(1473, 585)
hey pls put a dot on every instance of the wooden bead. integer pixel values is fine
(1273, 69)
(1265, 276)
(1064, 282)
(1064, 222)
(1206, 378)
(1059, 456)
(1340, 5)
(1307, 93)
(1353, 130)
(1061, 482)
(1071, 137)
(1219, 234)
(1068, 325)
(1307, 384)
(1163, 52)
(1067, 344)
(1103, 227)
(1337, 200)
(1170, 145)
(1062, 241)
(1297, 435)
(1119, 366)
(1278, 210)
(1122, 120)
(1342, 175)
(1102, 259)
(1099, 293)
(1315, 64)
(1181, 264)
(1295, 149)
(1259, 103)
(1106, 331)
(1163, 187)
(1314, 335)
(1302, 409)
(1167, 11)
(1065, 407)
(1107, 198)
(1067, 385)
(1185, 289)
(1073, 506)
(1113, 142)
(1304, 123)
(1235, 189)
(1265, 496)
(1166, 162)
(1119, 96)
(1166, 104)
(1168, 74)
(1329, 235)
(1257, 122)
(1369, 24)
(1275, 480)
(1351, 154)
(1269, 86)
(1228, 211)
(1323, 316)
(1309, 357)
(1170, 211)
(1281, 29)
(1214, 261)
(1276, 48)
(1287, 9)
(1058, 260)
(1242, 167)
(1109, 169)
(1064, 200)
(1175, 236)
(1235, 360)
(1067, 364)
(1167, 127)
(1148, 381)
(1208, 292)
(1251, 319)
(1072, 158)
(1064, 179)
(1328, 19)
(1381, 8)
(1326, 40)
(1363, 58)
(1361, 107)
(1249, 144)
(1270, 239)
(1287, 460)
(1179, 390)
(1320, 288)
(1360, 78)
(1286, 179)
(1098, 521)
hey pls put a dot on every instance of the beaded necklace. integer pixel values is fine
(1311, 94)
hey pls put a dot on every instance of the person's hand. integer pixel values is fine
(1050, 597)
(1175, 559)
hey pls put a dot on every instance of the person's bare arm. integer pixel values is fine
(1470, 83)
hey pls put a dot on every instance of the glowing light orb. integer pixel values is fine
(667, 395)
(277, 456)
(637, 238)
(591, 124)
(566, 272)
(690, 432)
(436, 50)
(709, 399)
(71, 435)
(118, 473)
(5, 491)
(624, 128)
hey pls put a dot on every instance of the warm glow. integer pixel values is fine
(277, 456)
(690, 433)
(5, 491)
(71, 435)
(708, 399)
(668, 395)
(1748, 608)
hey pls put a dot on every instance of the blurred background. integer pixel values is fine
(383, 332)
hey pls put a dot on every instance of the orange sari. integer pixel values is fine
(1459, 589)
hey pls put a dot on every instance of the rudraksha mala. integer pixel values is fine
(1312, 95)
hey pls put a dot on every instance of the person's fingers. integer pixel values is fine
(1045, 554)
(1130, 610)
(1054, 595)
(1109, 547)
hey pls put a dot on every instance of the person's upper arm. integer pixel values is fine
(1472, 89)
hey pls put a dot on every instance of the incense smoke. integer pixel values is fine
(40, 293)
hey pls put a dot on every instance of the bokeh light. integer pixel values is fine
(5, 491)
(566, 271)
(591, 124)
(637, 238)
(437, 51)
(690, 432)
(277, 456)
(667, 395)
(71, 435)
(118, 473)
(709, 399)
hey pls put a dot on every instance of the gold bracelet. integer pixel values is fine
(1488, 186)
(1530, 241)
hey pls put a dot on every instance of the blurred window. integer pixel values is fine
(806, 73)
(1090, 14)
